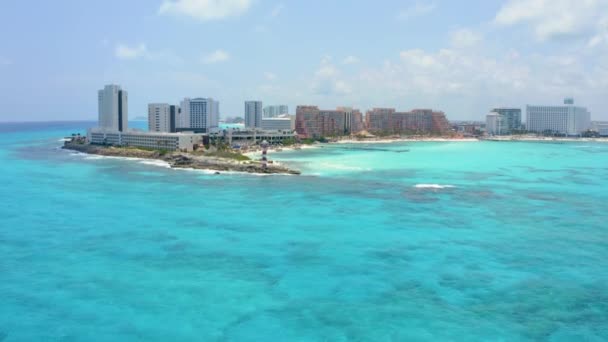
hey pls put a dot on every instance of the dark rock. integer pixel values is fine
(182, 160)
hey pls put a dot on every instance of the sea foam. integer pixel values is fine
(433, 186)
(156, 163)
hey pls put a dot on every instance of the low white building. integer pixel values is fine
(278, 124)
(253, 136)
(495, 124)
(156, 140)
(601, 127)
(567, 119)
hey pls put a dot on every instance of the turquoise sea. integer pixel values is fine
(444, 241)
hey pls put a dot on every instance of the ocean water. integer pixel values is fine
(454, 241)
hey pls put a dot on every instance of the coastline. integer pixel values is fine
(181, 160)
(349, 140)
(271, 150)
(216, 164)
(544, 139)
(393, 140)
(497, 138)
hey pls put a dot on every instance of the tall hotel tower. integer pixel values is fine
(113, 108)
(567, 119)
(253, 114)
(162, 117)
(199, 114)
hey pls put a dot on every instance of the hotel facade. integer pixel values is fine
(162, 117)
(199, 114)
(567, 119)
(275, 111)
(278, 124)
(113, 108)
(154, 140)
(495, 124)
(601, 127)
(503, 121)
(162, 120)
(253, 114)
(417, 121)
(312, 122)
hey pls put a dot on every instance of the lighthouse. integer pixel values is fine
(264, 145)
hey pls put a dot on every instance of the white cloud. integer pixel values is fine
(456, 71)
(216, 56)
(601, 37)
(270, 76)
(553, 19)
(350, 60)
(417, 10)
(123, 51)
(141, 51)
(328, 81)
(205, 10)
(467, 82)
(276, 11)
(464, 38)
(597, 40)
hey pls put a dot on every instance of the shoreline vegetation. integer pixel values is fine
(214, 161)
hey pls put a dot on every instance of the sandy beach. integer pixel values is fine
(258, 152)
(388, 141)
(544, 139)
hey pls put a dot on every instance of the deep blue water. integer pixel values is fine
(474, 241)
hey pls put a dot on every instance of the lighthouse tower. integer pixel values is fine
(264, 145)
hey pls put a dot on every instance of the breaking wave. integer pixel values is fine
(433, 186)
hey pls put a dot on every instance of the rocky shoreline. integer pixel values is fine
(182, 160)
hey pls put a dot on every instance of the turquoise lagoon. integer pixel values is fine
(454, 241)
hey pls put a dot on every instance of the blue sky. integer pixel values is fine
(460, 57)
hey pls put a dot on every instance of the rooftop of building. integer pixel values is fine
(277, 119)
(148, 133)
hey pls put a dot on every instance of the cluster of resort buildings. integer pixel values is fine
(184, 127)
(312, 122)
(196, 121)
(565, 120)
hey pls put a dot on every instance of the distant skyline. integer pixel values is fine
(463, 58)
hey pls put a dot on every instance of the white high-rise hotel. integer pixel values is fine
(113, 108)
(503, 121)
(199, 114)
(567, 119)
(253, 114)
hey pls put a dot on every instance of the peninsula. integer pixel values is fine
(214, 161)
